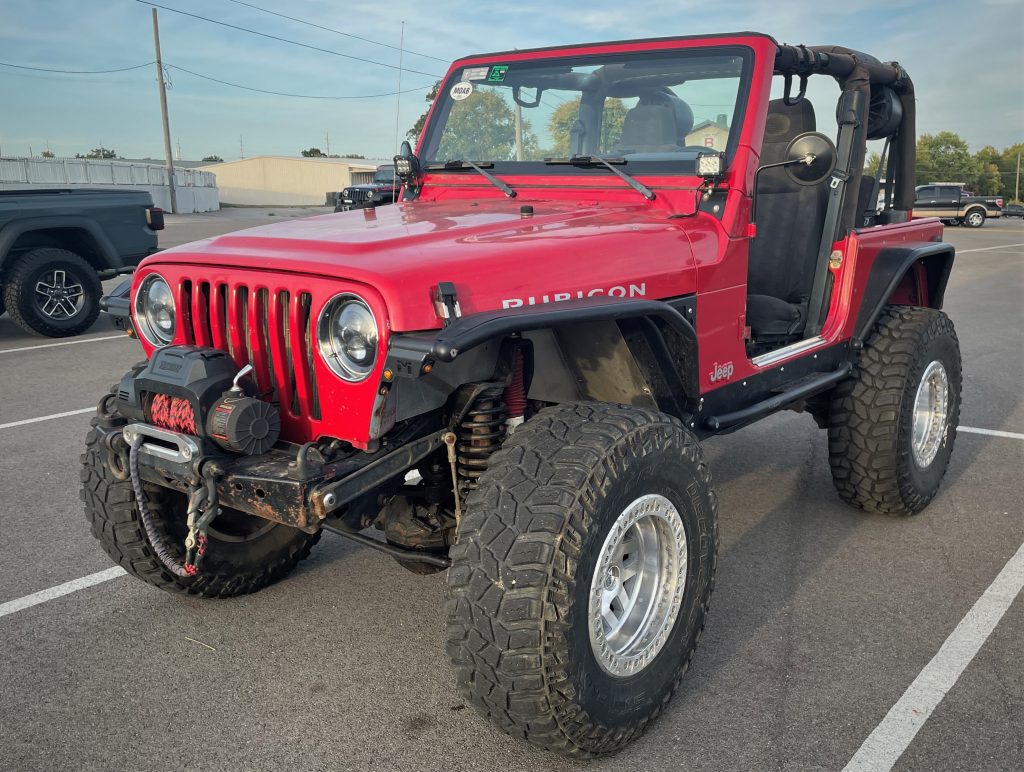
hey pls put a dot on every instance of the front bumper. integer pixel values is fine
(294, 485)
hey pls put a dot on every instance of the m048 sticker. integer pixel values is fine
(461, 90)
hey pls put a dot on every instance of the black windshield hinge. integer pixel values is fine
(446, 303)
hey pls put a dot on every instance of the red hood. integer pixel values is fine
(493, 254)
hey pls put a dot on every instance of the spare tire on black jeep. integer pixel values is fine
(582, 575)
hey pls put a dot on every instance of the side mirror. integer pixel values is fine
(810, 158)
(407, 169)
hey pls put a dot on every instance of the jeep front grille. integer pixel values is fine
(271, 329)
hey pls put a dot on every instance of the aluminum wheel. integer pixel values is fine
(931, 408)
(975, 219)
(58, 295)
(638, 585)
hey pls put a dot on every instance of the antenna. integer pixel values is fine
(398, 96)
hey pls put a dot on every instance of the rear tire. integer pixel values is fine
(53, 292)
(974, 219)
(893, 424)
(244, 553)
(554, 533)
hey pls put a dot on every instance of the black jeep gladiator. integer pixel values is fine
(382, 190)
(56, 246)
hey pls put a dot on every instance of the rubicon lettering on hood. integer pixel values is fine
(618, 291)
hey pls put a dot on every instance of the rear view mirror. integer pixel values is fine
(810, 158)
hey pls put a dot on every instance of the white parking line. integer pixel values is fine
(884, 746)
(991, 432)
(28, 601)
(988, 249)
(63, 343)
(46, 417)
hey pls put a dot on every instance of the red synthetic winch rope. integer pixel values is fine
(174, 413)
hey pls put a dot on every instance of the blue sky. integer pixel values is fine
(965, 59)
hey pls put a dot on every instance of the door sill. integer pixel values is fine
(763, 360)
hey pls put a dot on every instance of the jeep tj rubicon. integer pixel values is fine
(509, 372)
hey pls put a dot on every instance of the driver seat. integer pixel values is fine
(655, 124)
(790, 217)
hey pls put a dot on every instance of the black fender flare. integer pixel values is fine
(12, 231)
(889, 268)
(670, 334)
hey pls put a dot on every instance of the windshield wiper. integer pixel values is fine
(591, 160)
(504, 187)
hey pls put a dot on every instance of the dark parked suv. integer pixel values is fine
(382, 190)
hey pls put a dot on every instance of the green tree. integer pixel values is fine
(987, 181)
(314, 152)
(46, 154)
(564, 116)
(1008, 169)
(413, 134)
(944, 157)
(213, 159)
(99, 152)
(871, 165)
(482, 127)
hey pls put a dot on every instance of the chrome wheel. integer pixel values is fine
(931, 408)
(58, 295)
(638, 585)
(975, 219)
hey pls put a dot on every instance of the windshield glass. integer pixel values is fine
(655, 110)
(385, 177)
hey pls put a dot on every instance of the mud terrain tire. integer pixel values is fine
(39, 267)
(230, 568)
(871, 417)
(519, 621)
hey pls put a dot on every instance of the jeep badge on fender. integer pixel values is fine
(507, 375)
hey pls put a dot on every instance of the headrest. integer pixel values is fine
(682, 112)
(648, 129)
(787, 121)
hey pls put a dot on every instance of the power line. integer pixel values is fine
(286, 40)
(75, 72)
(336, 31)
(299, 96)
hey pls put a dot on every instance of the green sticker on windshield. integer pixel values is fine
(497, 73)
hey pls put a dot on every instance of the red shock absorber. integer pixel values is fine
(515, 394)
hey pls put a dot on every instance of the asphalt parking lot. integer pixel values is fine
(821, 620)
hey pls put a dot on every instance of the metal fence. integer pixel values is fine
(197, 190)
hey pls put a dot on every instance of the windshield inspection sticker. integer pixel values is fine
(497, 73)
(475, 73)
(461, 90)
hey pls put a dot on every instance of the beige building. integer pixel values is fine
(270, 180)
(709, 134)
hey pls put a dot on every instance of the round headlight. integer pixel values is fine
(347, 337)
(154, 310)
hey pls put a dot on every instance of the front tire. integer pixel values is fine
(552, 538)
(53, 292)
(244, 553)
(892, 426)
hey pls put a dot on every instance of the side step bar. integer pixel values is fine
(803, 388)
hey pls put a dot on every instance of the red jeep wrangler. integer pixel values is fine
(604, 254)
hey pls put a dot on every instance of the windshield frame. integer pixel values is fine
(683, 167)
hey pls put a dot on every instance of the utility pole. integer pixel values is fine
(179, 148)
(241, 147)
(519, 132)
(398, 96)
(163, 115)
(1016, 187)
(327, 137)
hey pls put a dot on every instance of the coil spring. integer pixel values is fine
(479, 434)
